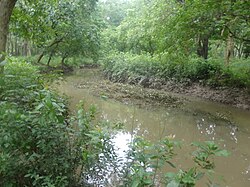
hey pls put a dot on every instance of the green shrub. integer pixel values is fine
(40, 145)
(180, 68)
(147, 161)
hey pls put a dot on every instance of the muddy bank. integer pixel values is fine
(143, 91)
(236, 97)
(230, 96)
(130, 94)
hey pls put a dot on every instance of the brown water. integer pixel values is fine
(198, 120)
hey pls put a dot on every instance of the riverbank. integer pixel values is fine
(142, 91)
(131, 94)
(208, 79)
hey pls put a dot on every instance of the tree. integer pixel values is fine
(135, 31)
(6, 8)
(113, 12)
(82, 33)
(57, 27)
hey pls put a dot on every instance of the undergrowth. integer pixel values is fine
(40, 144)
(213, 72)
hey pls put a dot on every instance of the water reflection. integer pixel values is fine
(121, 141)
(198, 121)
(210, 127)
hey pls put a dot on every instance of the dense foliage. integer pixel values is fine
(194, 40)
(126, 67)
(40, 144)
(54, 28)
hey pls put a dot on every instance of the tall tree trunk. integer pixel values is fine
(25, 47)
(202, 49)
(239, 49)
(229, 49)
(8, 44)
(28, 49)
(6, 7)
(12, 45)
(246, 50)
(15, 46)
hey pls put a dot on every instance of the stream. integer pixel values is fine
(195, 120)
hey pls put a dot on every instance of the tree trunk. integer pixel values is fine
(50, 56)
(246, 50)
(202, 50)
(40, 57)
(12, 46)
(6, 7)
(239, 49)
(25, 47)
(15, 46)
(8, 44)
(28, 49)
(229, 49)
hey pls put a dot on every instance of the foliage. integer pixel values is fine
(203, 157)
(181, 40)
(121, 67)
(170, 26)
(40, 144)
(113, 12)
(147, 161)
(59, 28)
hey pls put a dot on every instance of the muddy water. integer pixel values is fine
(197, 120)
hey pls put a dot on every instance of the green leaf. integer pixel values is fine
(148, 181)
(223, 152)
(199, 175)
(3, 63)
(170, 175)
(173, 184)
(136, 183)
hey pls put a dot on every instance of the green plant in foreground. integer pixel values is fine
(146, 163)
(203, 157)
(40, 145)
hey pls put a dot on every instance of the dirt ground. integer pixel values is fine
(236, 97)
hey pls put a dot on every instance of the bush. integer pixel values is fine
(39, 144)
(147, 160)
(120, 67)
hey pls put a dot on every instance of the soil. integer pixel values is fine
(236, 97)
(158, 92)
(132, 94)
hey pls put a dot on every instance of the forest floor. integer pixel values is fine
(170, 94)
